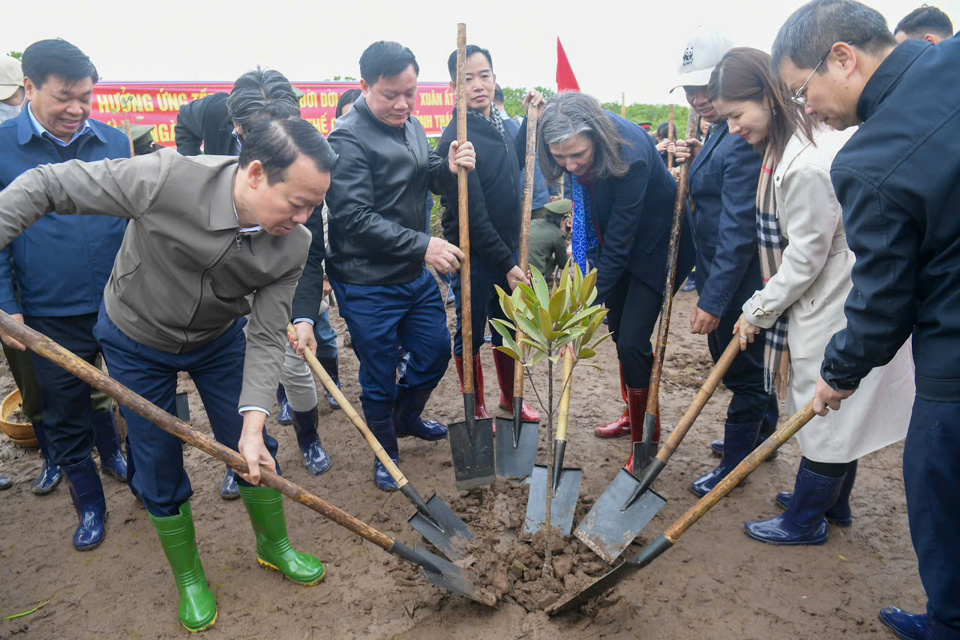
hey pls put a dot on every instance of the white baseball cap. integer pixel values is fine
(701, 54)
(11, 76)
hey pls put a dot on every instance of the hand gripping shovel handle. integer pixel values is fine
(655, 466)
(405, 487)
(524, 259)
(563, 418)
(669, 537)
(463, 202)
(653, 394)
(57, 354)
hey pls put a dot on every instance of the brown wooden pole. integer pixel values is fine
(739, 474)
(529, 169)
(466, 298)
(128, 129)
(653, 395)
(47, 348)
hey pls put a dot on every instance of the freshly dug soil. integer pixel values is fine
(715, 583)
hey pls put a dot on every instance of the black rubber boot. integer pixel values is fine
(229, 489)
(385, 432)
(332, 367)
(314, 457)
(113, 462)
(767, 427)
(49, 476)
(739, 440)
(406, 412)
(284, 415)
(86, 491)
(840, 513)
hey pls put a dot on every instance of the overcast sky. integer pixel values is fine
(617, 47)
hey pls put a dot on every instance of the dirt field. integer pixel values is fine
(715, 583)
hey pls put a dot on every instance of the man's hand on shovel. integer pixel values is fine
(252, 447)
(304, 339)
(828, 398)
(10, 341)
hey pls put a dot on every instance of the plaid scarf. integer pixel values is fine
(776, 354)
(494, 120)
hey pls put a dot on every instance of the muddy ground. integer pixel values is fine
(715, 583)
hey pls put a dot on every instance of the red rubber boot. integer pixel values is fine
(637, 406)
(620, 426)
(480, 408)
(505, 366)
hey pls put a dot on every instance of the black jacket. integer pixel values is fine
(634, 214)
(205, 121)
(496, 196)
(897, 179)
(376, 199)
(723, 186)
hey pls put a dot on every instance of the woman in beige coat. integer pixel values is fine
(807, 265)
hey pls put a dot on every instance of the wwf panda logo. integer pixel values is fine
(688, 56)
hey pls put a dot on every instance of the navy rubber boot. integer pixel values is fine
(406, 411)
(49, 476)
(229, 489)
(804, 522)
(86, 491)
(385, 432)
(840, 513)
(284, 415)
(332, 367)
(739, 439)
(314, 457)
(936, 630)
(906, 626)
(113, 462)
(767, 427)
(5, 483)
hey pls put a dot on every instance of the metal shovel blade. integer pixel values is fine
(454, 578)
(563, 505)
(472, 449)
(606, 529)
(455, 535)
(515, 461)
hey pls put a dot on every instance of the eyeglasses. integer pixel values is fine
(800, 96)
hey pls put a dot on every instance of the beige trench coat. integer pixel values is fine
(812, 285)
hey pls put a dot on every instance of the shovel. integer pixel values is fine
(612, 523)
(669, 537)
(436, 570)
(471, 441)
(434, 520)
(564, 487)
(519, 440)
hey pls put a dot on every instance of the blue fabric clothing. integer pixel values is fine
(485, 304)
(64, 397)
(541, 193)
(931, 475)
(584, 234)
(383, 318)
(216, 368)
(723, 218)
(61, 264)
(326, 336)
(896, 179)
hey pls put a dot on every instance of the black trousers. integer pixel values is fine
(634, 307)
(66, 398)
(744, 378)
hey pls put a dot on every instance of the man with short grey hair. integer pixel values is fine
(896, 180)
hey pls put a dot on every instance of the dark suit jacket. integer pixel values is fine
(205, 121)
(723, 188)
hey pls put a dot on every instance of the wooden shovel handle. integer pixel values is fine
(653, 395)
(672, 136)
(523, 261)
(355, 418)
(466, 297)
(703, 396)
(564, 413)
(742, 470)
(57, 354)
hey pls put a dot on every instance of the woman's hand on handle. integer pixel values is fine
(747, 332)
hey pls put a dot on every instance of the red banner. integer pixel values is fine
(157, 104)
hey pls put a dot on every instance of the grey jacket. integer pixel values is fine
(184, 271)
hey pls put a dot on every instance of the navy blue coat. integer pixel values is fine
(723, 188)
(634, 214)
(61, 264)
(898, 180)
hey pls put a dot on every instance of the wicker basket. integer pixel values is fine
(20, 432)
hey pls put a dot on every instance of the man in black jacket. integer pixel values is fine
(897, 180)
(496, 199)
(378, 247)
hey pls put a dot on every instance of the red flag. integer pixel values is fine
(566, 81)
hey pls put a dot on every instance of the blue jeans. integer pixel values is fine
(326, 336)
(217, 370)
(382, 318)
(931, 476)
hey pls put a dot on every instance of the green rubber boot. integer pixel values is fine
(198, 608)
(274, 550)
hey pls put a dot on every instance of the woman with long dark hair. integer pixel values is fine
(806, 268)
(623, 207)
